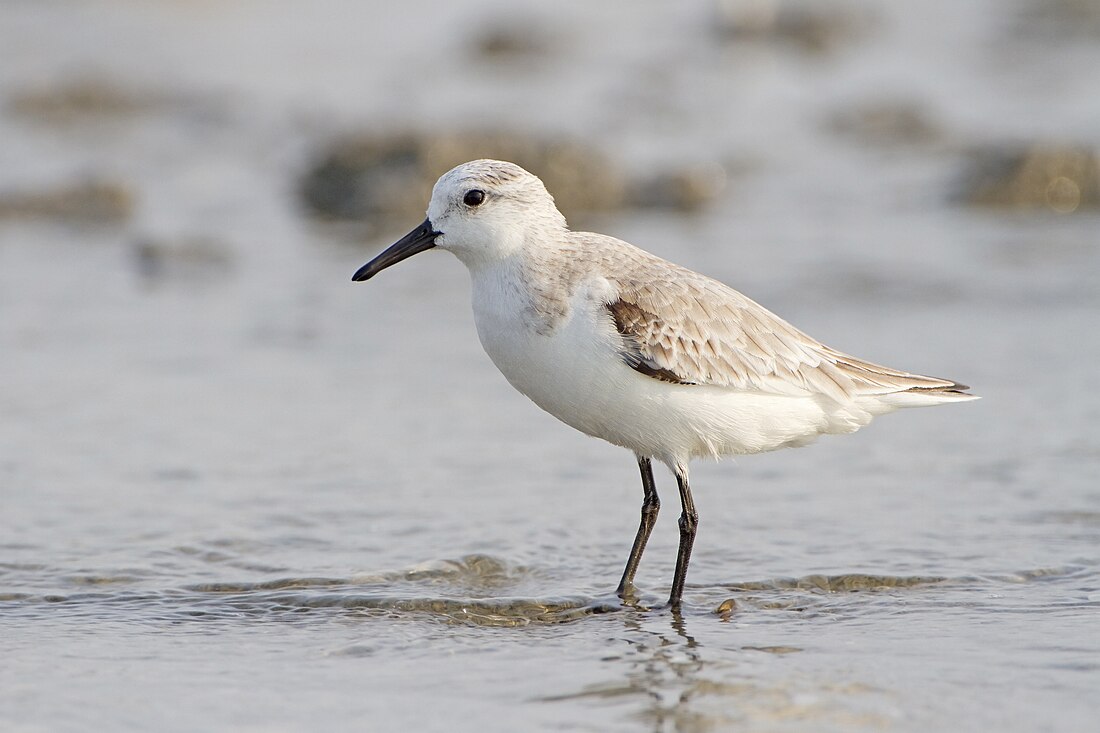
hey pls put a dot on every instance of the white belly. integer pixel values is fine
(576, 374)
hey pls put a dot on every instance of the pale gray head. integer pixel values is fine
(482, 211)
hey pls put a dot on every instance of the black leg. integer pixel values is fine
(650, 506)
(689, 522)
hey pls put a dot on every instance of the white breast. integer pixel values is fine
(567, 369)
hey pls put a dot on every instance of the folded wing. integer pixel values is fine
(692, 330)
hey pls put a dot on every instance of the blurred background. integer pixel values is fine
(199, 410)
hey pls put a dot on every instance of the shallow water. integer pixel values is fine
(239, 492)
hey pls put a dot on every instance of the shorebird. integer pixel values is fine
(625, 346)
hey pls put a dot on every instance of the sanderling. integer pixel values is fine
(645, 354)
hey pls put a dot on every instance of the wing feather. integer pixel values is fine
(682, 327)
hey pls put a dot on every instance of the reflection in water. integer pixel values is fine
(683, 688)
(749, 672)
(665, 669)
(671, 676)
(678, 683)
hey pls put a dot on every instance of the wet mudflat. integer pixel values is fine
(238, 491)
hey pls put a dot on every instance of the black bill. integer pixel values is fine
(418, 240)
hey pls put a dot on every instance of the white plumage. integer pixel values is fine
(645, 354)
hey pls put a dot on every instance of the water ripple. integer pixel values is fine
(468, 590)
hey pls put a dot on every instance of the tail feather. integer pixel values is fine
(924, 396)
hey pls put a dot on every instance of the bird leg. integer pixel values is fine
(689, 522)
(651, 504)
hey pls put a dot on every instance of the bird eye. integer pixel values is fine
(473, 197)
